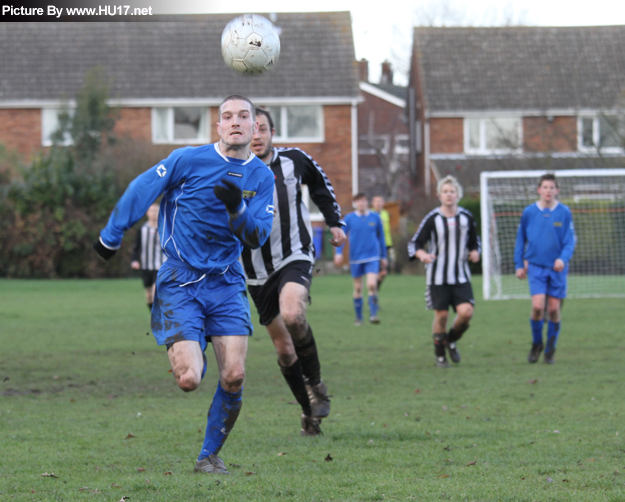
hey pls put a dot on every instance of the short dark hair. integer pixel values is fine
(359, 195)
(238, 97)
(261, 111)
(547, 177)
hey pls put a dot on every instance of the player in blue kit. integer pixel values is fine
(544, 246)
(216, 199)
(367, 254)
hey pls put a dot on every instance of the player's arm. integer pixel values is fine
(137, 198)
(473, 241)
(251, 222)
(416, 245)
(519, 248)
(381, 238)
(568, 245)
(136, 252)
(338, 252)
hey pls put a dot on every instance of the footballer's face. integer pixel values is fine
(448, 195)
(152, 214)
(547, 192)
(236, 124)
(361, 205)
(262, 138)
(377, 203)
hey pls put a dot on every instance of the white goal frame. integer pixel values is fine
(490, 250)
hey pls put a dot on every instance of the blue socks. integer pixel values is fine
(222, 415)
(537, 331)
(553, 330)
(358, 307)
(373, 305)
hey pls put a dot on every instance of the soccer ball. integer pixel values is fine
(250, 44)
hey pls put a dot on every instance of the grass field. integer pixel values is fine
(86, 395)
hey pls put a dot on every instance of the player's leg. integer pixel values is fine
(462, 302)
(149, 283)
(556, 292)
(294, 298)
(186, 359)
(357, 274)
(439, 335)
(372, 269)
(537, 279)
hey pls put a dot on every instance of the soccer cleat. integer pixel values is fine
(319, 400)
(374, 319)
(211, 464)
(454, 355)
(310, 426)
(534, 354)
(548, 357)
(358, 322)
(441, 362)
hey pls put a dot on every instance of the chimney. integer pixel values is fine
(387, 73)
(363, 70)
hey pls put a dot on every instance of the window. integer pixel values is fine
(183, 124)
(302, 123)
(492, 135)
(606, 132)
(50, 123)
(372, 145)
(313, 210)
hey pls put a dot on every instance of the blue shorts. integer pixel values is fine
(546, 281)
(187, 307)
(360, 269)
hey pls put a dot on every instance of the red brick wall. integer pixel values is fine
(385, 117)
(135, 123)
(446, 135)
(556, 135)
(20, 130)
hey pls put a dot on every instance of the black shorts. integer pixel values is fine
(267, 297)
(446, 295)
(148, 277)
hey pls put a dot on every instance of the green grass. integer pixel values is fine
(86, 395)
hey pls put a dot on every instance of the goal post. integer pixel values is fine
(596, 198)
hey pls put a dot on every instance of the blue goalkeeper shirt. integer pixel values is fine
(366, 237)
(544, 235)
(194, 226)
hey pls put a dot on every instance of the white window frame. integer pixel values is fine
(596, 135)
(46, 134)
(170, 140)
(283, 138)
(482, 150)
(371, 150)
(316, 216)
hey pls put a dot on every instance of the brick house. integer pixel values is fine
(168, 77)
(489, 99)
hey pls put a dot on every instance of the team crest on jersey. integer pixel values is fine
(248, 194)
(236, 175)
(557, 223)
(161, 171)
(290, 181)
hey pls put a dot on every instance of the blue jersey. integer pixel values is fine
(194, 225)
(366, 237)
(544, 235)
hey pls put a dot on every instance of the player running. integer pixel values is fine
(450, 232)
(216, 199)
(544, 246)
(279, 274)
(367, 254)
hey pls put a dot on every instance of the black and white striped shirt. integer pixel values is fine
(147, 250)
(291, 233)
(450, 239)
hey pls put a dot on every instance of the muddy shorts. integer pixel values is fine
(189, 305)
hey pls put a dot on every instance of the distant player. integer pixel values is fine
(544, 246)
(367, 254)
(217, 198)
(279, 274)
(377, 205)
(449, 232)
(147, 254)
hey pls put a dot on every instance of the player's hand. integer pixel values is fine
(474, 256)
(230, 195)
(104, 252)
(520, 273)
(426, 257)
(338, 260)
(558, 266)
(135, 265)
(338, 236)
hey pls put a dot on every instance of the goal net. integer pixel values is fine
(596, 198)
